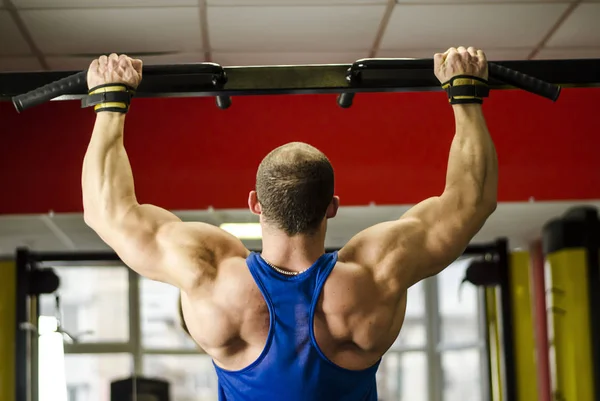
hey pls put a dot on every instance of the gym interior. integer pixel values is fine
(514, 319)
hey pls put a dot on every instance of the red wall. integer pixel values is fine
(387, 149)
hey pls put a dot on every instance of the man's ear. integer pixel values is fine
(333, 207)
(253, 203)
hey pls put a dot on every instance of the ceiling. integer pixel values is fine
(521, 222)
(67, 34)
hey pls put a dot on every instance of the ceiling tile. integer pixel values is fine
(104, 4)
(492, 54)
(294, 29)
(242, 59)
(481, 25)
(31, 241)
(581, 29)
(179, 58)
(19, 64)
(22, 225)
(81, 63)
(84, 31)
(16, 45)
(68, 63)
(292, 2)
(557, 54)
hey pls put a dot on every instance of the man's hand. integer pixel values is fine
(115, 69)
(460, 61)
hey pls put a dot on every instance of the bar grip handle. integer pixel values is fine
(49, 92)
(524, 81)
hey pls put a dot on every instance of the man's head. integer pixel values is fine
(294, 189)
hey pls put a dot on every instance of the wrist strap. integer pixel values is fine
(109, 97)
(465, 89)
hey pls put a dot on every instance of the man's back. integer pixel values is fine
(269, 329)
(291, 359)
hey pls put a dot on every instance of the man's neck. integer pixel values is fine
(292, 253)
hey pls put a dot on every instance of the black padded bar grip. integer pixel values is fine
(62, 86)
(49, 92)
(496, 71)
(524, 81)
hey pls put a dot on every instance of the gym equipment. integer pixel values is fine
(571, 244)
(139, 388)
(210, 75)
(495, 272)
(376, 72)
(509, 322)
(8, 296)
(367, 75)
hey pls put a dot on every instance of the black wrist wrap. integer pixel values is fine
(465, 89)
(109, 97)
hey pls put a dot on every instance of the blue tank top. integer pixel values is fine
(292, 367)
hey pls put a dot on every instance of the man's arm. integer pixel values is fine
(436, 231)
(150, 240)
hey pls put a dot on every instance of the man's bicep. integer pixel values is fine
(425, 240)
(445, 228)
(134, 236)
(382, 248)
(158, 245)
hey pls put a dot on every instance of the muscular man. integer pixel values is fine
(293, 323)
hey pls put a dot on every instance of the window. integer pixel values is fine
(458, 306)
(462, 375)
(461, 345)
(413, 330)
(402, 376)
(77, 392)
(89, 375)
(94, 303)
(159, 306)
(192, 377)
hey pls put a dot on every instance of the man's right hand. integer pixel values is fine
(115, 69)
(460, 61)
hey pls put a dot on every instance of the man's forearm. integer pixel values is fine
(107, 179)
(472, 164)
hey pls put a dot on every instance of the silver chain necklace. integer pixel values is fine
(278, 270)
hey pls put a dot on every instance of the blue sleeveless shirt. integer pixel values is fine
(291, 366)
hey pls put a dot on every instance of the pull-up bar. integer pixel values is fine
(541, 77)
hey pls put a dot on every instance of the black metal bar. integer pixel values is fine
(108, 256)
(162, 81)
(481, 249)
(211, 75)
(508, 340)
(488, 347)
(34, 354)
(592, 245)
(101, 256)
(359, 72)
(21, 351)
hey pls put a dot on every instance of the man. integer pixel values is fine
(293, 323)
